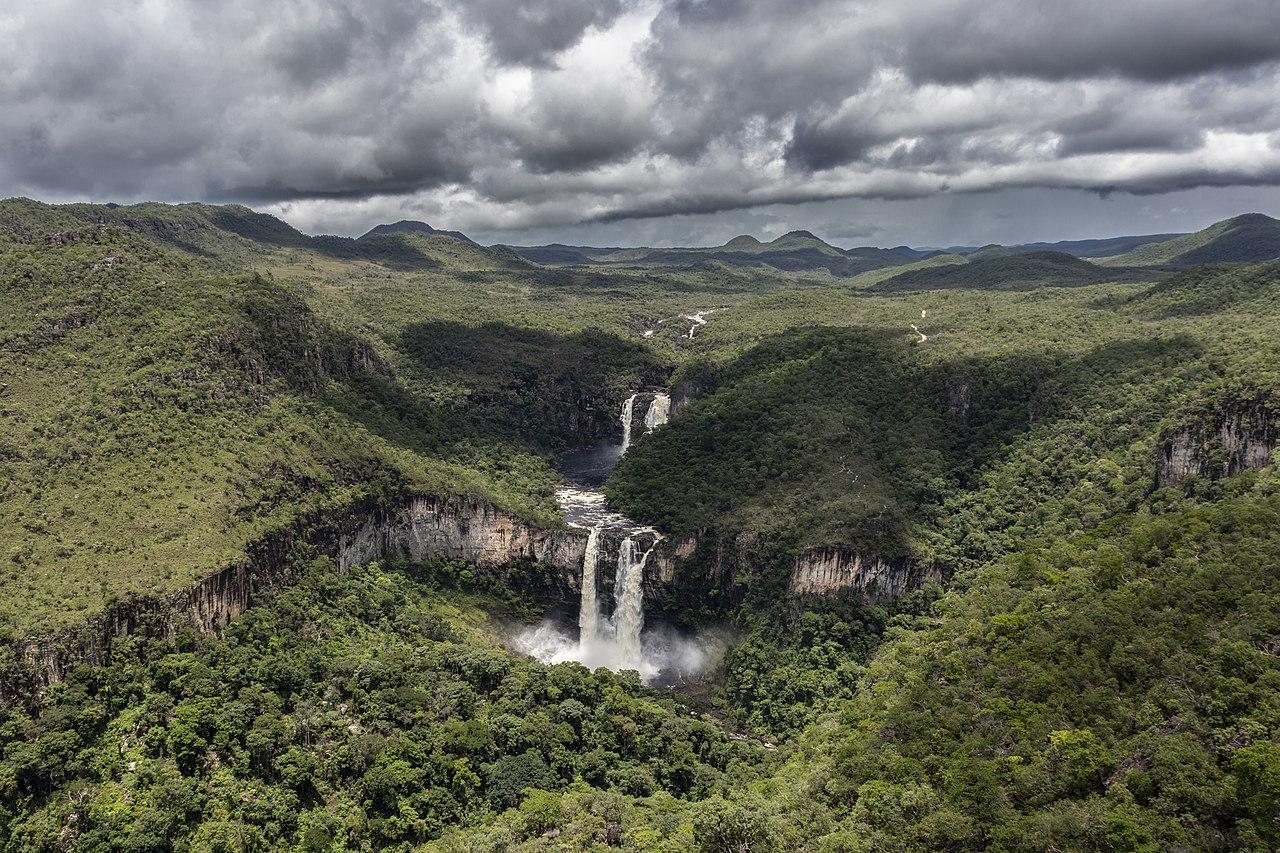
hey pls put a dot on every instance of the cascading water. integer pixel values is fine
(614, 642)
(628, 613)
(659, 412)
(628, 410)
(589, 610)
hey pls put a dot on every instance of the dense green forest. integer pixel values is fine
(1094, 667)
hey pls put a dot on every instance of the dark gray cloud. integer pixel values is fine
(1150, 40)
(502, 117)
(532, 32)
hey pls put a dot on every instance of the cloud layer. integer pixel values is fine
(501, 116)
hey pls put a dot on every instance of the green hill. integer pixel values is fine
(410, 226)
(1251, 237)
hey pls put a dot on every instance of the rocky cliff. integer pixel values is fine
(829, 570)
(1233, 436)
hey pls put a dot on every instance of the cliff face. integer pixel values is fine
(460, 529)
(546, 564)
(1238, 436)
(205, 607)
(829, 570)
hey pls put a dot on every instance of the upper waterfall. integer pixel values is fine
(628, 413)
(659, 412)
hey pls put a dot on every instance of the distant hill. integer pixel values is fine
(797, 252)
(232, 235)
(1205, 290)
(412, 226)
(1007, 272)
(1096, 248)
(1251, 237)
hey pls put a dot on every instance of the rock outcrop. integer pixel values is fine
(824, 571)
(1238, 435)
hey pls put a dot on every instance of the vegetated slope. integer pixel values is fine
(1004, 272)
(858, 439)
(1251, 237)
(1247, 289)
(1115, 691)
(158, 417)
(365, 710)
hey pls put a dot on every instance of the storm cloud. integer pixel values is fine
(513, 117)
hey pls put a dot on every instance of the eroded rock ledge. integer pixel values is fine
(828, 570)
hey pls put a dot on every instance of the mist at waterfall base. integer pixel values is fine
(666, 654)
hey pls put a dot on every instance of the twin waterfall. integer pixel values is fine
(658, 413)
(612, 642)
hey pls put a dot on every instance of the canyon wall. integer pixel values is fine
(544, 563)
(1237, 435)
(829, 570)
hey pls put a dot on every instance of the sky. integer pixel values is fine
(652, 122)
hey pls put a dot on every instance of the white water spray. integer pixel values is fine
(659, 412)
(628, 410)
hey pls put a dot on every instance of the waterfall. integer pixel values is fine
(628, 408)
(659, 412)
(628, 613)
(589, 615)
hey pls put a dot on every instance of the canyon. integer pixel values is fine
(632, 566)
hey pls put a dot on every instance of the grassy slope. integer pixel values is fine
(161, 415)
